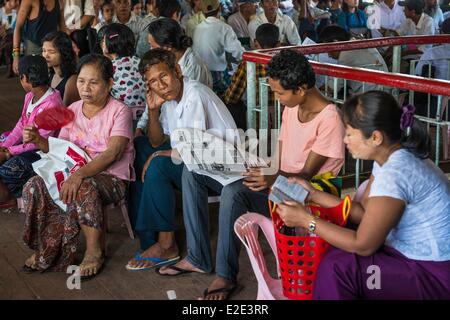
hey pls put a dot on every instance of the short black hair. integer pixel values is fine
(292, 69)
(35, 69)
(417, 5)
(168, 33)
(155, 56)
(334, 33)
(62, 42)
(267, 35)
(101, 62)
(106, 3)
(119, 39)
(212, 13)
(168, 8)
(81, 38)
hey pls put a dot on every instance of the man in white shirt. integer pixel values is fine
(212, 39)
(368, 58)
(288, 29)
(173, 103)
(239, 20)
(438, 57)
(125, 16)
(417, 23)
(78, 14)
(384, 15)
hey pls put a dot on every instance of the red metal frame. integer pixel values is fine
(396, 80)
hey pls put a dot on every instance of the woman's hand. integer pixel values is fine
(15, 65)
(255, 179)
(70, 188)
(31, 135)
(305, 184)
(294, 214)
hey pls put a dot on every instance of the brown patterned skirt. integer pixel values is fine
(53, 233)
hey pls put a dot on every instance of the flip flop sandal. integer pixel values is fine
(8, 204)
(28, 269)
(159, 262)
(228, 292)
(181, 271)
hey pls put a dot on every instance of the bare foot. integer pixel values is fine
(91, 264)
(155, 251)
(220, 289)
(183, 265)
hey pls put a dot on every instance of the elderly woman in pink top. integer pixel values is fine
(103, 128)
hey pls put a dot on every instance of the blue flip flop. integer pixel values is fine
(159, 262)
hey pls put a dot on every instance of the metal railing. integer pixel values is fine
(393, 80)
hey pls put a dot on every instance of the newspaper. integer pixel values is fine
(283, 190)
(207, 154)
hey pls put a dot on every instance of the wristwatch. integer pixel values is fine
(312, 225)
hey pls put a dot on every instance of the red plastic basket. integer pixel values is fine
(299, 256)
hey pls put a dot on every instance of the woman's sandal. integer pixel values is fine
(91, 262)
(28, 266)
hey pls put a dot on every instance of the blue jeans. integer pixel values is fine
(16, 171)
(235, 200)
(152, 203)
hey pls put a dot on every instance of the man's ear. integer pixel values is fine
(257, 45)
(178, 71)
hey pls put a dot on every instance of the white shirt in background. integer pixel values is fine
(73, 14)
(440, 59)
(288, 29)
(199, 108)
(379, 15)
(134, 23)
(239, 25)
(212, 38)
(425, 27)
(7, 23)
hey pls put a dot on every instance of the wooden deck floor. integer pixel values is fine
(114, 282)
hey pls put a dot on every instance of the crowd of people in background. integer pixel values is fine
(181, 62)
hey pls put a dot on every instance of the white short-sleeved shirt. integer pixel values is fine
(288, 29)
(212, 38)
(194, 68)
(199, 108)
(423, 232)
(440, 59)
(425, 27)
(381, 16)
(73, 14)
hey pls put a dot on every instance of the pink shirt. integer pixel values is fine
(93, 134)
(14, 141)
(323, 135)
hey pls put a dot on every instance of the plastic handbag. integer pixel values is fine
(299, 256)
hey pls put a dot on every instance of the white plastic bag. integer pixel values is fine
(55, 166)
